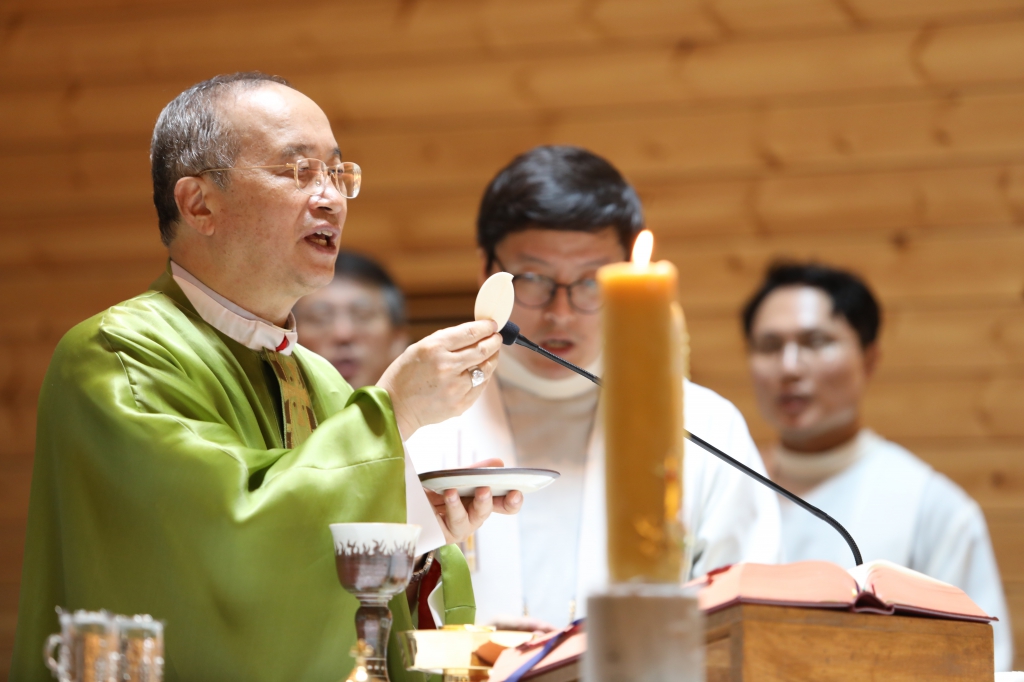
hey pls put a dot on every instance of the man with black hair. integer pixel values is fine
(812, 341)
(357, 321)
(552, 218)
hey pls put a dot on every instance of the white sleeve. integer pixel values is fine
(732, 517)
(419, 511)
(433, 447)
(952, 544)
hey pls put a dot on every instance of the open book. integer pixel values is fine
(875, 587)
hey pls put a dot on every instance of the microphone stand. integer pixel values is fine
(510, 335)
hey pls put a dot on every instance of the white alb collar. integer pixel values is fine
(513, 372)
(812, 468)
(234, 322)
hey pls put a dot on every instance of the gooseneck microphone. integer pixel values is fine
(510, 335)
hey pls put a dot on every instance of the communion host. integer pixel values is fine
(190, 456)
(551, 218)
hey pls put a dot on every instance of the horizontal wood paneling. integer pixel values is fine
(18, 430)
(881, 135)
(816, 14)
(14, 481)
(12, 538)
(1015, 599)
(45, 301)
(931, 10)
(374, 32)
(8, 620)
(990, 470)
(929, 127)
(878, 61)
(965, 265)
(1006, 526)
(72, 44)
(14, 484)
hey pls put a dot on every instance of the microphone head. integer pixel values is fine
(509, 333)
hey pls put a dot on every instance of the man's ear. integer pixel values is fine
(872, 356)
(190, 194)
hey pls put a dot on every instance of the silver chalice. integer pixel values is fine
(374, 562)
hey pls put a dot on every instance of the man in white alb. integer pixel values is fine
(812, 346)
(552, 218)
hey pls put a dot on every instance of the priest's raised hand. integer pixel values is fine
(433, 380)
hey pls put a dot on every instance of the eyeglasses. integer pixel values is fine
(309, 175)
(538, 291)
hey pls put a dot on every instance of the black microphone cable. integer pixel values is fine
(793, 497)
(510, 335)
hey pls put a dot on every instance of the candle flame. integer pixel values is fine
(642, 248)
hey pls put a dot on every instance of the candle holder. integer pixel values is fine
(374, 562)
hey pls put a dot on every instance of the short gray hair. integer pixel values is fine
(190, 137)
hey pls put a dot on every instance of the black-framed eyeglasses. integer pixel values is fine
(538, 291)
(347, 177)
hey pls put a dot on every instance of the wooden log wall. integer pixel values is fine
(882, 135)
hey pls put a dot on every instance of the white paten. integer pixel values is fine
(501, 480)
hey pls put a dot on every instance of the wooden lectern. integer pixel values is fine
(756, 643)
(753, 643)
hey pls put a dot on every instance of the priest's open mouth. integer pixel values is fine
(324, 239)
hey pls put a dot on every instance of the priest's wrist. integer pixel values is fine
(405, 428)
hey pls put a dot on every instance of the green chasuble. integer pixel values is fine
(161, 486)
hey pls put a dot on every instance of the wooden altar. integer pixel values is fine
(750, 643)
(771, 644)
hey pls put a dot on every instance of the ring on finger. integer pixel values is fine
(476, 376)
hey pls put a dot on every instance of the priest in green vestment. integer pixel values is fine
(190, 455)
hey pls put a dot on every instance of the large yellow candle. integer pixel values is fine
(644, 359)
